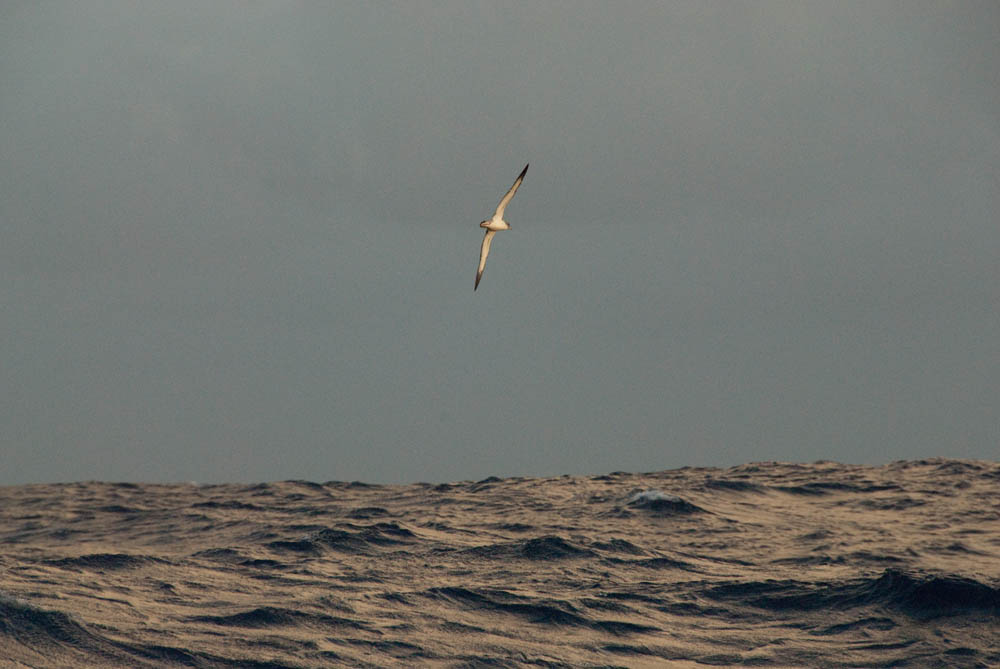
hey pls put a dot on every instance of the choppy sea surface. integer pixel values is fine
(765, 564)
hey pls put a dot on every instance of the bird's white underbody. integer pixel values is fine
(496, 223)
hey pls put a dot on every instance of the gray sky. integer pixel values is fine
(239, 239)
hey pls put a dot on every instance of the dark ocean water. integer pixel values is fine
(767, 564)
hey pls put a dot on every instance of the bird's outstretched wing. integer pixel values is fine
(505, 200)
(483, 252)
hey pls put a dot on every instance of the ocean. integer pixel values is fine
(764, 564)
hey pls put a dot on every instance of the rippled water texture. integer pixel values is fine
(766, 564)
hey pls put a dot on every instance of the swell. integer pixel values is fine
(42, 637)
(535, 610)
(364, 540)
(916, 595)
(271, 616)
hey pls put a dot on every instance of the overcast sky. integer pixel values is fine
(239, 240)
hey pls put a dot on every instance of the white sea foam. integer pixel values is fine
(649, 496)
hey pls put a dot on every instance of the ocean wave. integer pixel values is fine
(536, 610)
(272, 616)
(361, 540)
(659, 502)
(539, 548)
(921, 596)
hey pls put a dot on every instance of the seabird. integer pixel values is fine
(496, 223)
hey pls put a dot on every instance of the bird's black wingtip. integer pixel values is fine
(523, 172)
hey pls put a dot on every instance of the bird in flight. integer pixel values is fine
(496, 223)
